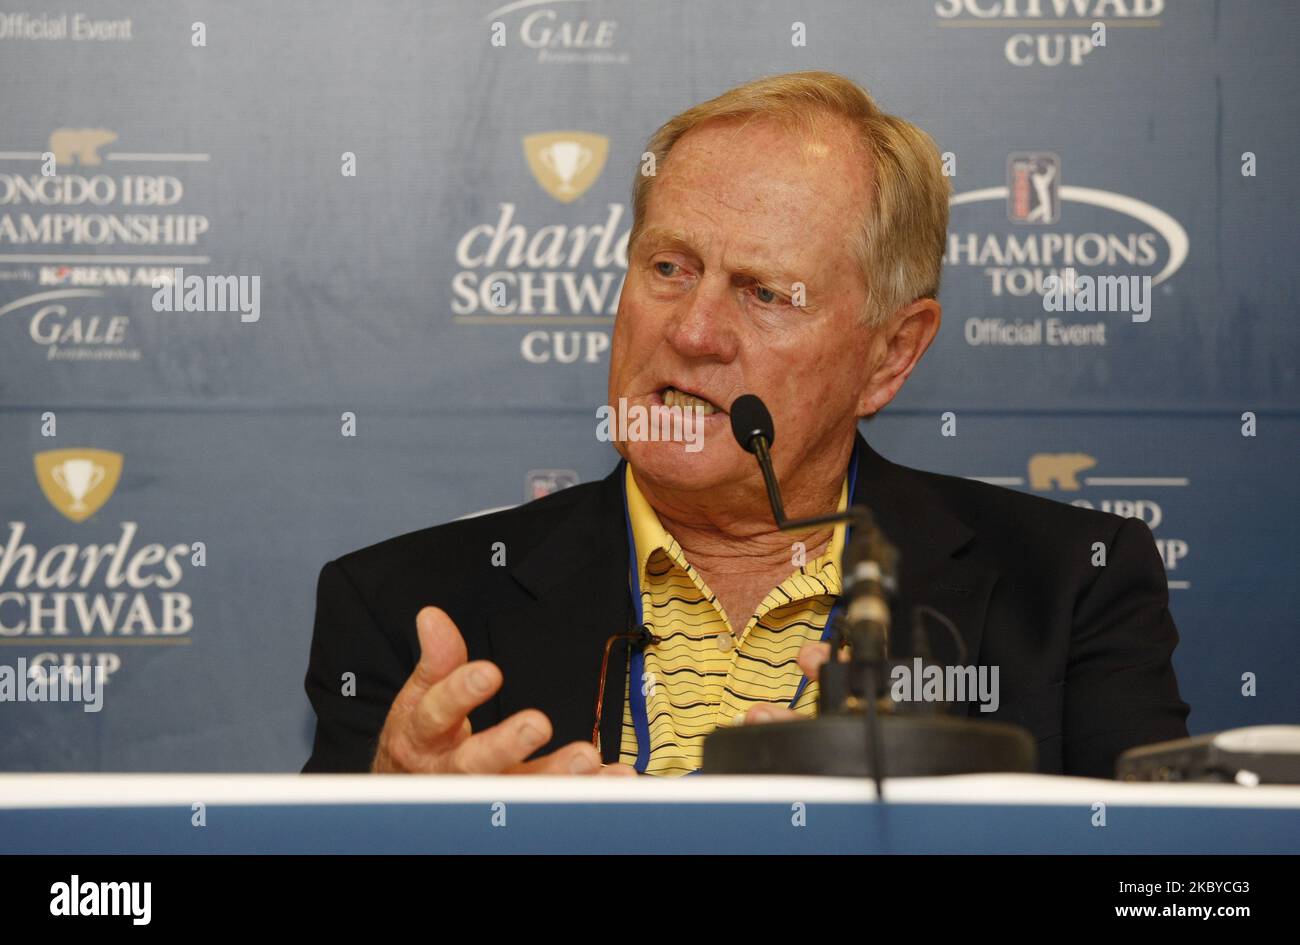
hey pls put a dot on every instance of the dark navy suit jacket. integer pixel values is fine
(1084, 652)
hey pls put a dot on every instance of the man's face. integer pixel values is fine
(737, 217)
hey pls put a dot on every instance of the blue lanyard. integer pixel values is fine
(636, 665)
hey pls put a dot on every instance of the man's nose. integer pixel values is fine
(705, 326)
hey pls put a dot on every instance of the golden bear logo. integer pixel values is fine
(81, 143)
(1058, 470)
(78, 481)
(566, 163)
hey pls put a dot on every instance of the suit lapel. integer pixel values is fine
(550, 648)
(928, 537)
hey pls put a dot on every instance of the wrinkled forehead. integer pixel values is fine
(760, 183)
(757, 153)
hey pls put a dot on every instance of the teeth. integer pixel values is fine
(675, 398)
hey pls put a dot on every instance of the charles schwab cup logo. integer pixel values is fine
(1033, 236)
(80, 223)
(1049, 33)
(557, 275)
(57, 596)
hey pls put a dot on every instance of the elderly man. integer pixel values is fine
(789, 245)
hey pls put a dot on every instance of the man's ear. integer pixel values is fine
(898, 346)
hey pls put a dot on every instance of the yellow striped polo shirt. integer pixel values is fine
(694, 683)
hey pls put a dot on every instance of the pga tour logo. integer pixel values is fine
(1033, 188)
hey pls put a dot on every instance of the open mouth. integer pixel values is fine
(673, 397)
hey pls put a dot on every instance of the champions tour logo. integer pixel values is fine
(1036, 233)
(560, 277)
(68, 594)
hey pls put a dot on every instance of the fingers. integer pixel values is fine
(811, 658)
(573, 758)
(767, 713)
(616, 771)
(503, 746)
(442, 649)
(428, 717)
(428, 727)
(441, 713)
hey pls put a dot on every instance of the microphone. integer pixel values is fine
(869, 559)
(750, 421)
(751, 425)
(868, 566)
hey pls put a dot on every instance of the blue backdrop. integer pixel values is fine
(219, 137)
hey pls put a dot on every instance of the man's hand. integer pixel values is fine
(428, 731)
(811, 658)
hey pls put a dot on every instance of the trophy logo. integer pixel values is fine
(566, 163)
(78, 481)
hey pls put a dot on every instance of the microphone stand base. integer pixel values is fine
(912, 746)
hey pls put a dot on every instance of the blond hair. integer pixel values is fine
(900, 244)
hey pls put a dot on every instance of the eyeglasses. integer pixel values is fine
(639, 637)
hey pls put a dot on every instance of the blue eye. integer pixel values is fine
(660, 267)
(766, 295)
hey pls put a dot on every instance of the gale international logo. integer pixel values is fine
(560, 32)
